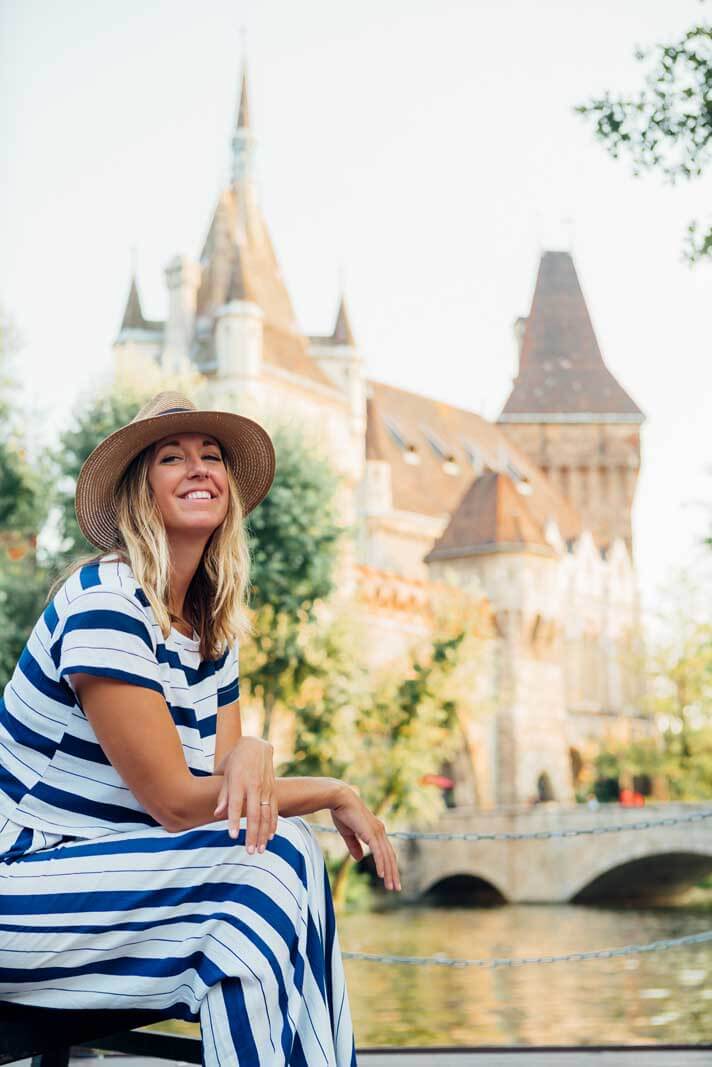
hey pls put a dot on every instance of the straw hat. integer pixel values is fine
(247, 448)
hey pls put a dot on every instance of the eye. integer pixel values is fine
(212, 456)
(167, 459)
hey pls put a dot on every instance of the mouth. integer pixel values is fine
(200, 496)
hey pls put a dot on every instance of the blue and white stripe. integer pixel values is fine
(101, 907)
(54, 775)
(189, 924)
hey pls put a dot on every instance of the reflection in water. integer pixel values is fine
(654, 997)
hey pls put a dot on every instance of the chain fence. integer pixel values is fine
(535, 835)
(442, 960)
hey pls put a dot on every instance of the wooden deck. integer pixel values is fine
(647, 1055)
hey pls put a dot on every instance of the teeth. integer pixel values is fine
(197, 495)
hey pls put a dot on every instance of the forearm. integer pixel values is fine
(294, 796)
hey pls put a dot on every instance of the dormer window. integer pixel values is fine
(475, 457)
(410, 452)
(520, 479)
(396, 434)
(449, 460)
(436, 444)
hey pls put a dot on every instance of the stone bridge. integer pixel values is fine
(645, 865)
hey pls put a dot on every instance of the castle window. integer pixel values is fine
(450, 464)
(521, 482)
(410, 452)
(396, 434)
(475, 457)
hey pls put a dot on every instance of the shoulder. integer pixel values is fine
(104, 595)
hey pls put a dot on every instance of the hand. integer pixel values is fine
(353, 820)
(248, 774)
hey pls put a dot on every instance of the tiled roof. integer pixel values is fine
(427, 487)
(492, 515)
(238, 262)
(561, 369)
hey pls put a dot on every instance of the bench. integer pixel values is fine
(47, 1035)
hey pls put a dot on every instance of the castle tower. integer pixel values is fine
(506, 542)
(568, 412)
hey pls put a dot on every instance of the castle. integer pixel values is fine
(532, 511)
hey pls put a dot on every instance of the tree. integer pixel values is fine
(383, 730)
(667, 126)
(678, 698)
(23, 508)
(294, 539)
(93, 419)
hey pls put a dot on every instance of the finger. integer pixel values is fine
(394, 864)
(222, 799)
(274, 812)
(253, 816)
(234, 809)
(265, 815)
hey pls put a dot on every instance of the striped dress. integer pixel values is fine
(101, 907)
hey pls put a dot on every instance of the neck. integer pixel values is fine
(186, 554)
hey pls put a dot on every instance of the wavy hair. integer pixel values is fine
(216, 600)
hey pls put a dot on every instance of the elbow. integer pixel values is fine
(172, 815)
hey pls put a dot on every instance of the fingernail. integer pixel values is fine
(233, 832)
(262, 848)
(250, 849)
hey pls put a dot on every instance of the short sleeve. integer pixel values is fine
(229, 677)
(107, 634)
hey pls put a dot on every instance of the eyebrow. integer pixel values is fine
(176, 444)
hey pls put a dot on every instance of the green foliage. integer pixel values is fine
(383, 730)
(93, 420)
(23, 591)
(667, 126)
(294, 538)
(678, 700)
(294, 534)
(23, 509)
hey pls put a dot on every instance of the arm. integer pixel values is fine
(134, 727)
(227, 734)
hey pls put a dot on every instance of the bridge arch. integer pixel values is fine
(653, 874)
(463, 888)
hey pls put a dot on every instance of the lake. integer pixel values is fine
(658, 997)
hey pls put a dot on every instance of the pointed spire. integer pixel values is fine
(343, 334)
(243, 140)
(243, 111)
(561, 369)
(133, 315)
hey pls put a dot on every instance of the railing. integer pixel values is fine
(442, 960)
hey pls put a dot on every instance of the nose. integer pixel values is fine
(197, 467)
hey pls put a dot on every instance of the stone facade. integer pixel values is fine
(531, 514)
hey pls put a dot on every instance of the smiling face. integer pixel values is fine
(190, 484)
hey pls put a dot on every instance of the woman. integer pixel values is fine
(150, 859)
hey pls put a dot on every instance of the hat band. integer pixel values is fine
(173, 411)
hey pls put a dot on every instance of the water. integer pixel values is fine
(661, 997)
(654, 998)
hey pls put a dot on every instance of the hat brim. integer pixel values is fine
(247, 448)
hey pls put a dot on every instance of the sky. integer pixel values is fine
(419, 153)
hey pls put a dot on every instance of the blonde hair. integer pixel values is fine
(216, 600)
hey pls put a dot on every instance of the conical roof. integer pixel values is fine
(493, 516)
(343, 334)
(133, 315)
(561, 368)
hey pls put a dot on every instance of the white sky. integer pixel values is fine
(423, 150)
